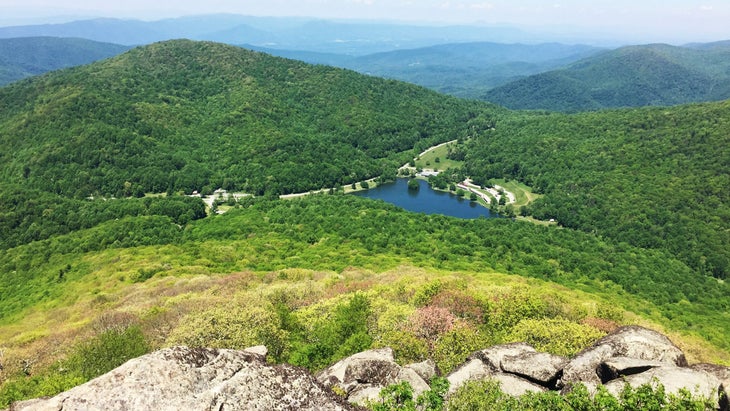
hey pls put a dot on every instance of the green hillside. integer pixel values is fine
(655, 178)
(322, 277)
(29, 56)
(652, 75)
(184, 115)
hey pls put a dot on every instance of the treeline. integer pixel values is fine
(30, 215)
(184, 116)
(655, 178)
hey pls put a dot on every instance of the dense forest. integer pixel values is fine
(187, 116)
(655, 178)
(634, 76)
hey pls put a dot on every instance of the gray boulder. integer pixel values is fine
(363, 375)
(515, 386)
(539, 367)
(698, 383)
(630, 341)
(181, 378)
(474, 369)
(425, 369)
(493, 356)
(721, 373)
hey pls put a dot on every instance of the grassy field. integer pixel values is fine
(428, 160)
(523, 194)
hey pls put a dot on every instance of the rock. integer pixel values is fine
(622, 366)
(474, 369)
(418, 384)
(516, 386)
(630, 341)
(722, 374)
(493, 356)
(542, 368)
(425, 369)
(336, 373)
(673, 379)
(362, 376)
(259, 350)
(181, 378)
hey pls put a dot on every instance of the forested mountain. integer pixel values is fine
(30, 56)
(464, 70)
(184, 115)
(652, 177)
(652, 75)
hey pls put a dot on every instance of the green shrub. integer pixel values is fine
(343, 333)
(556, 336)
(236, 327)
(486, 395)
(407, 348)
(453, 347)
(108, 351)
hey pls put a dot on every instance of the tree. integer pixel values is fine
(413, 184)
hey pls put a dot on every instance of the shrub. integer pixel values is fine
(407, 348)
(108, 350)
(460, 304)
(453, 347)
(236, 327)
(343, 333)
(430, 322)
(556, 336)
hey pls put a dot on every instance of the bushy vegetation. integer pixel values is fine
(486, 395)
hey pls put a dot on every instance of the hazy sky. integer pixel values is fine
(651, 19)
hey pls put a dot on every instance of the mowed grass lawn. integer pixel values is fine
(428, 160)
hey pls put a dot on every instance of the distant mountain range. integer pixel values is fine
(473, 62)
(650, 75)
(25, 57)
(464, 70)
(352, 38)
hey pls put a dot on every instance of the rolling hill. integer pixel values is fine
(30, 56)
(185, 115)
(651, 75)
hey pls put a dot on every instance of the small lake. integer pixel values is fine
(426, 200)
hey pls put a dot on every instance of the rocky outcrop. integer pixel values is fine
(362, 376)
(630, 342)
(196, 379)
(207, 379)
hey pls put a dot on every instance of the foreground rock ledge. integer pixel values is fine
(207, 379)
(181, 378)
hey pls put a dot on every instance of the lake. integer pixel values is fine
(426, 200)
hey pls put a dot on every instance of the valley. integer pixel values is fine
(603, 216)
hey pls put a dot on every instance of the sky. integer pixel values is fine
(690, 20)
